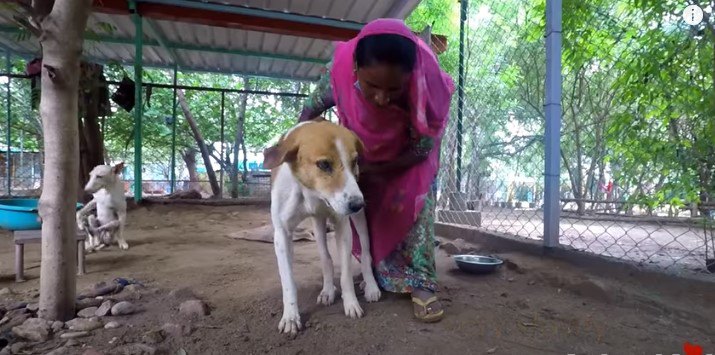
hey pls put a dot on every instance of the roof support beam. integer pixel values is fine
(173, 46)
(239, 17)
(217, 15)
(186, 69)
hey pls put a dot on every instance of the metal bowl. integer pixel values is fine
(477, 264)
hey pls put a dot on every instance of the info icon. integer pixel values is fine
(693, 15)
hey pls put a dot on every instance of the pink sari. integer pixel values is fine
(394, 204)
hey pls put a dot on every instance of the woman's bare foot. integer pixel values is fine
(427, 307)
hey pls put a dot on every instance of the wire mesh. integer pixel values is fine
(25, 141)
(635, 179)
(492, 150)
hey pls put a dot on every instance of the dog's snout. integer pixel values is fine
(355, 204)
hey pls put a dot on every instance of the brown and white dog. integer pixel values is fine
(314, 175)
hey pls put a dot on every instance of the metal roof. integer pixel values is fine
(273, 38)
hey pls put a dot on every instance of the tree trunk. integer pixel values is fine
(239, 142)
(189, 156)
(215, 188)
(91, 146)
(62, 31)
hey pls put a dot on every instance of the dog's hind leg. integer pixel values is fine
(327, 295)
(282, 242)
(92, 240)
(344, 241)
(372, 291)
(122, 217)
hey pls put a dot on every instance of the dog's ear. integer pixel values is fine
(359, 145)
(285, 151)
(117, 169)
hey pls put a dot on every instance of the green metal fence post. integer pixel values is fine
(8, 137)
(138, 53)
(223, 125)
(464, 6)
(173, 138)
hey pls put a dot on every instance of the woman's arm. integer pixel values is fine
(320, 100)
(415, 154)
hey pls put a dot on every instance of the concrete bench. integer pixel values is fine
(35, 237)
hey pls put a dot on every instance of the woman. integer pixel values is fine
(387, 87)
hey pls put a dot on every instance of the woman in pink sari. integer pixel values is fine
(387, 87)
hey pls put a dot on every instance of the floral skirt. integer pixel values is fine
(412, 264)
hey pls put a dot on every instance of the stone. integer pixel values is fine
(91, 351)
(86, 303)
(511, 265)
(132, 288)
(34, 329)
(72, 342)
(18, 347)
(595, 289)
(194, 308)
(13, 322)
(105, 309)
(17, 312)
(176, 330)
(6, 291)
(85, 324)
(88, 312)
(33, 307)
(182, 294)
(17, 305)
(153, 337)
(450, 248)
(57, 326)
(59, 351)
(135, 349)
(112, 325)
(123, 308)
(74, 335)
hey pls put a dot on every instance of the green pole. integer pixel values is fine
(223, 125)
(173, 138)
(463, 8)
(8, 137)
(138, 37)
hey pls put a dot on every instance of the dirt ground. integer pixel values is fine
(537, 306)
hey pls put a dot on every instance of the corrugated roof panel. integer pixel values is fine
(118, 32)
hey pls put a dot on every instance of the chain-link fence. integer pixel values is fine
(203, 139)
(492, 159)
(636, 177)
(637, 161)
(21, 157)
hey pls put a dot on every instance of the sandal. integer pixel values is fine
(424, 310)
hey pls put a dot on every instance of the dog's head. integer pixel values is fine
(103, 176)
(323, 158)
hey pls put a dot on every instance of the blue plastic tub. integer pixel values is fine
(19, 214)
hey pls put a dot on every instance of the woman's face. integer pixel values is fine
(382, 84)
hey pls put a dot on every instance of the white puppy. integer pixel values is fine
(107, 189)
(314, 175)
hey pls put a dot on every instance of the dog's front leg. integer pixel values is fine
(372, 291)
(290, 322)
(327, 295)
(82, 212)
(344, 241)
(122, 216)
(92, 240)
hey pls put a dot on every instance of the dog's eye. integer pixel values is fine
(324, 165)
